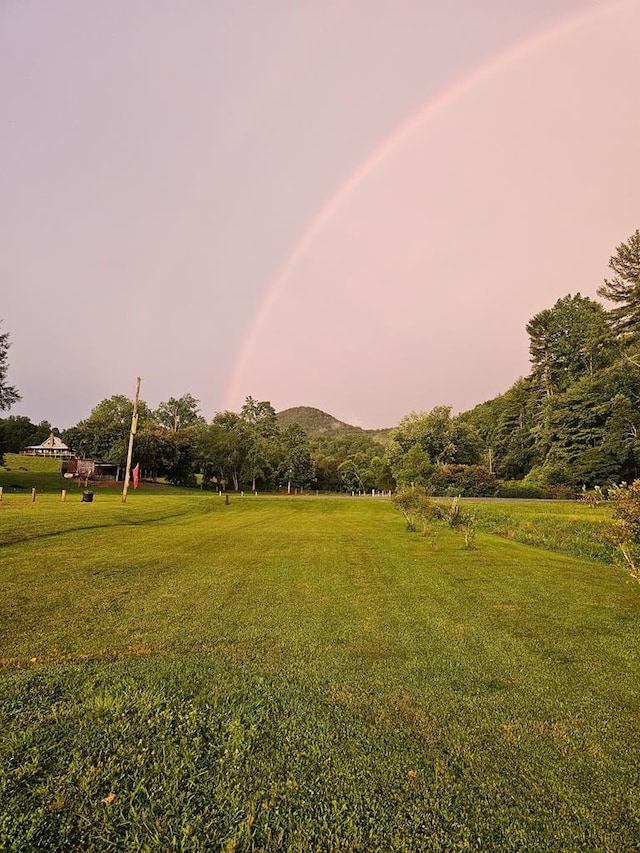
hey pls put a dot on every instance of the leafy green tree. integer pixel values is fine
(104, 435)
(260, 413)
(357, 473)
(262, 430)
(345, 460)
(162, 452)
(590, 430)
(209, 458)
(17, 432)
(381, 475)
(180, 469)
(176, 414)
(621, 439)
(465, 480)
(623, 289)
(574, 421)
(154, 450)
(485, 418)
(415, 505)
(625, 500)
(296, 466)
(232, 441)
(443, 440)
(568, 341)
(410, 468)
(327, 473)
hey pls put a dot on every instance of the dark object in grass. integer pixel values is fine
(87, 497)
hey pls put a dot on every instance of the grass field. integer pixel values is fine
(301, 674)
(20, 474)
(570, 527)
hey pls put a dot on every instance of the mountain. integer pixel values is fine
(317, 422)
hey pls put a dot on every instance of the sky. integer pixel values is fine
(354, 204)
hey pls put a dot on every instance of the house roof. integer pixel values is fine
(51, 443)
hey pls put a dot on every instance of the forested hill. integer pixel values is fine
(316, 422)
(312, 420)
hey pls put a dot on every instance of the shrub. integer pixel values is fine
(468, 528)
(558, 493)
(472, 481)
(626, 531)
(549, 474)
(451, 514)
(414, 503)
(458, 519)
(593, 497)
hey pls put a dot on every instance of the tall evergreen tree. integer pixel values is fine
(8, 393)
(515, 444)
(624, 288)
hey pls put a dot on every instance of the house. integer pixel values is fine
(52, 447)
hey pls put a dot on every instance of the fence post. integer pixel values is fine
(64, 495)
(33, 495)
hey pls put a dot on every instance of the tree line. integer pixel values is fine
(573, 421)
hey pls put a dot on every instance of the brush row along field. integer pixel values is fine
(302, 674)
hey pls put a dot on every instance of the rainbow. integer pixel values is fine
(425, 114)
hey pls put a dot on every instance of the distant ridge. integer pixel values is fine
(316, 422)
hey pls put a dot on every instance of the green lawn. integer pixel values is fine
(301, 674)
(20, 474)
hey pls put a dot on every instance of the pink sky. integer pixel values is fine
(352, 205)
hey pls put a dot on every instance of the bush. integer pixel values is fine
(414, 503)
(468, 528)
(471, 481)
(593, 497)
(626, 532)
(458, 519)
(549, 474)
(558, 493)
(556, 474)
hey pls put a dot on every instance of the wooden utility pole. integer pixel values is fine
(134, 427)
